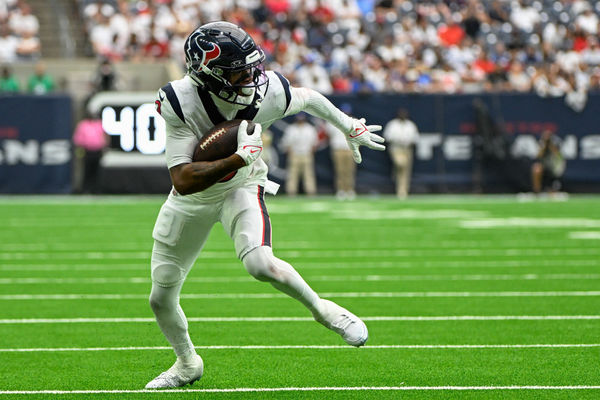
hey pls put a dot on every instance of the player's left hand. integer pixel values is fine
(363, 135)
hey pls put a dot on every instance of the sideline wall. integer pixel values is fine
(463, 148)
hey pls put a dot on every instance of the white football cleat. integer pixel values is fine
(347, 325)
(178, 375)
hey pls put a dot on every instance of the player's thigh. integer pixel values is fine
(179, 235)
(246, 220)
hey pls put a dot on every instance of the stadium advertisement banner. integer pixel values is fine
(468, 143)
(483, 142)
(35, 144)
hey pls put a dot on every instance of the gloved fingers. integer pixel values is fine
(242, 129)
(257, 129)
(356, 153)
(377, 138)
(374, 128)
(375, 146)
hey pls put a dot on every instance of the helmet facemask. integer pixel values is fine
(235, 85)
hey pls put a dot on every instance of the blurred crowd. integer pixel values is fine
(355, 46)
(18, 32)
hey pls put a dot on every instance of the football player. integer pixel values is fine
(225, 80)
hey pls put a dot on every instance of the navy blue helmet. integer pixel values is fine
(225, 60)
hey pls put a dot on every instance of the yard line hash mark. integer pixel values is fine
(308, 347)
(71, 296)
(325, 278)
(306, 389)
(306, 319)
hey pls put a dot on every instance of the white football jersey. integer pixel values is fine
(189, 112)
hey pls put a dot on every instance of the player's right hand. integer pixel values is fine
(249, 144)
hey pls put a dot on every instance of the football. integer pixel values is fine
(220, 142)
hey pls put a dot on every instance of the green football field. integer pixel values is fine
(464, 297)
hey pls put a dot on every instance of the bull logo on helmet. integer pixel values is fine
(209, 51)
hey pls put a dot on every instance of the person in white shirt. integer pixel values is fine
(402, 134)
(313, 75)
(24, 22)
(8, 45)
(299, 141)
(343, 165)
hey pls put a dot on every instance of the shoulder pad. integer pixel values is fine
(284, 84)
(168, 104)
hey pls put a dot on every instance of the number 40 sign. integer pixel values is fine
(139, 128)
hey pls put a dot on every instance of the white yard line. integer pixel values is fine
(307, 319)
(146, 245)
(542, 223)
(325, 278)
(590, 262)
(589, 293)
(306, 389)
(585, 235)
(315, 253)
(313, 347)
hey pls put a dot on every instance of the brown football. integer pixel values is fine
(220, 142)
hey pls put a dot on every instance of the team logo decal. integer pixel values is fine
(210, 51)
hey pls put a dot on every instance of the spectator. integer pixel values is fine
(518, 78)
(40, 82)
(90, 141)
(587, 21)
(344, 166)
(402, 134)
(8, 83)
(299, 142)
(155, 48)
(102, 36)
(313, 75)
(29, 47)
(524, 16)
(549, 165)
(8, 45)
(23, 22)
(400, 35)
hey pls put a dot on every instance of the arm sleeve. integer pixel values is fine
(314, 103)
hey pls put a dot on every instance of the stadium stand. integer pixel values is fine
(467, 46)
(19, 29)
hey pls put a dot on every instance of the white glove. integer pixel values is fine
(362, 136)
(249, 144)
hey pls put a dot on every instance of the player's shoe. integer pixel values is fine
(347, 325)
(178, 375)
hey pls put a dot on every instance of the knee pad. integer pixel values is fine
(166, 275)
(165, 270)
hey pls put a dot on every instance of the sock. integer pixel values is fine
(172, 320)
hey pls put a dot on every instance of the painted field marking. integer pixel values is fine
(308, 347)
(313, 253)
(590, 235)
(306, 319)
(306, 389)
(320, 265)
(441, 243)
(542, 223)
(588, 293)
(319, 278)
